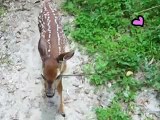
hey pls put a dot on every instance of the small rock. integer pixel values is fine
(80, 112)
(18, 41)
(109, 85)
(75, 84)
(100, 95)
(87, 91)
(80, 86)
(37, 81)
(2, 38)
(18, 34)
(158, 96)
(77, 91)
(10, 81)
(91, 97)
(74, 99)
(67, 98)
(21, 68)
(39, 78)
(145, 90)
(11, 91)
(24, 97)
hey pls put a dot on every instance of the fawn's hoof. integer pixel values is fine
(63, 114)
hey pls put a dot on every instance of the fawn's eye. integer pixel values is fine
(58, 77)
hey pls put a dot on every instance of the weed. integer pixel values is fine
(4, 59)
(112, 113)
(66, 29)
(104, 28)
(2, 10)
(152, 75)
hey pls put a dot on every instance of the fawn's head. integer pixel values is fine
(52, 69)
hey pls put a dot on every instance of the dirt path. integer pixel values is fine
(21, 87)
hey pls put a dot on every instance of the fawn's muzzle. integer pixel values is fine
(50, 93)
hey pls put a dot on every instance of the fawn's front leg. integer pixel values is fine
(61, 107)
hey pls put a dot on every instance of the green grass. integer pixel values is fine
(4, 57)
(112, 113)
(104, 28)
(2, 10)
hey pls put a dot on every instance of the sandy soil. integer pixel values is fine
(21, 86)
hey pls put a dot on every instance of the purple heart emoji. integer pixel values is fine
(138, 22)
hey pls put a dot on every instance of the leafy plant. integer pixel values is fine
(112, 113)
(104, 28)
(152, 75)
(2, 10)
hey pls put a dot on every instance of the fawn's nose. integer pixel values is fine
(49, 93)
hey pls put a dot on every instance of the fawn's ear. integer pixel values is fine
(65, 56)
(43, 77)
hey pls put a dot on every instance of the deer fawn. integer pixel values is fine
(51, 47)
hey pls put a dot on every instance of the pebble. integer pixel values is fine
(18, 41)
(77, 91)
(39, 78)
(2, 38)
(11, 91)
(18, 35)
(91, 97)
(80, 86)
(75, 84)
(21, 68)
(109, 85)
(86, 91)
(37, 81)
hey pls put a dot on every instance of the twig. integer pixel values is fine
(148, 9)
(70, 75)
(78, 75)
(112, 13)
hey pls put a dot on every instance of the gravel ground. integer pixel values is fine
(21, 86)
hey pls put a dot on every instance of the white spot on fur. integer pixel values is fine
(59, 31)
(49, 36)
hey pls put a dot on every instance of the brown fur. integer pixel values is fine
(54, 63)
(50, 69)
